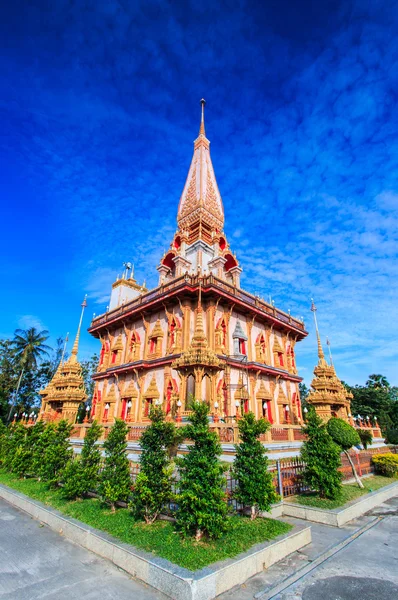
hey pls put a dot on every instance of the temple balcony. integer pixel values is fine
(209, 284)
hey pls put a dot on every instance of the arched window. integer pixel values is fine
(190, 391)
(168, 262)
(206, 388)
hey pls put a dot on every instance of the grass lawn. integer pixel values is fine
(160, 539)
(350, 492)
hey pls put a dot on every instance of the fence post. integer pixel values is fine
(359, 465)
(280, 484)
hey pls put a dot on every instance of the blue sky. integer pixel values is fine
(99, 106)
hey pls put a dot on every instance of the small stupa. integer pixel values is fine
(62, 397)
(328, 395)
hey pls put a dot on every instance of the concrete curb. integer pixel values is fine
(174, 581)
(340, 516)
(300, 573)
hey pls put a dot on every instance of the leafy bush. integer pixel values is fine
(392, 436)
(366, 437)
(81, 475)
(250, 469)
(57, 453)
(13, 441)
(115, 480)
(321, 457)
(386, 464)
(152, 488)
(202, 501)
(345, 436)
(44, 441)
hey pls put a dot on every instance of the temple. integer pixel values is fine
(328, 395)
(62, 397)
(197, 334)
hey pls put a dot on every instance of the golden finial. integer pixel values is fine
(76, 344)
(202, 122)
(320, 350)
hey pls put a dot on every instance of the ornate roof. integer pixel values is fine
(238, 332)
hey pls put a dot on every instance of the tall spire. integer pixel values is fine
(76, 343)
(200, 206)
(320, 349)
(202, 122)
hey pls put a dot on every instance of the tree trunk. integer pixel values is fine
(198, 535)
(354, 472)
(253, 514)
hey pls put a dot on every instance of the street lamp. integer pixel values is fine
(215, 418)
(178, 417)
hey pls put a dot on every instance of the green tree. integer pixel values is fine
(57, 453)
(392, 437)
(9, 368)
(250, 468)
(30, 348)
(304, 393)
(81, 475)
(153, 486)
(202, 501)
(321, 457)
(115, 481)
(3, 440)
(377, 398)
(346, 437)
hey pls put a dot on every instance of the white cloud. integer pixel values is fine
(27, 321)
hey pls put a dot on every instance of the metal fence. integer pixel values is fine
(287, 476)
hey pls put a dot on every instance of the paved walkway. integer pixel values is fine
(37, 563)
(365, 569)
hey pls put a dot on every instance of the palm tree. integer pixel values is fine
(30, 347)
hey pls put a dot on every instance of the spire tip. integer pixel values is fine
(202, 122)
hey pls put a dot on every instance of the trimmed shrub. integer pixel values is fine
(386, 464)
(81, 475)
(115, 480)
(152, 488)
(202, 501)
(345, 436)
(366, 437)
(343, 433)
(250, 468)
(321, 457)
